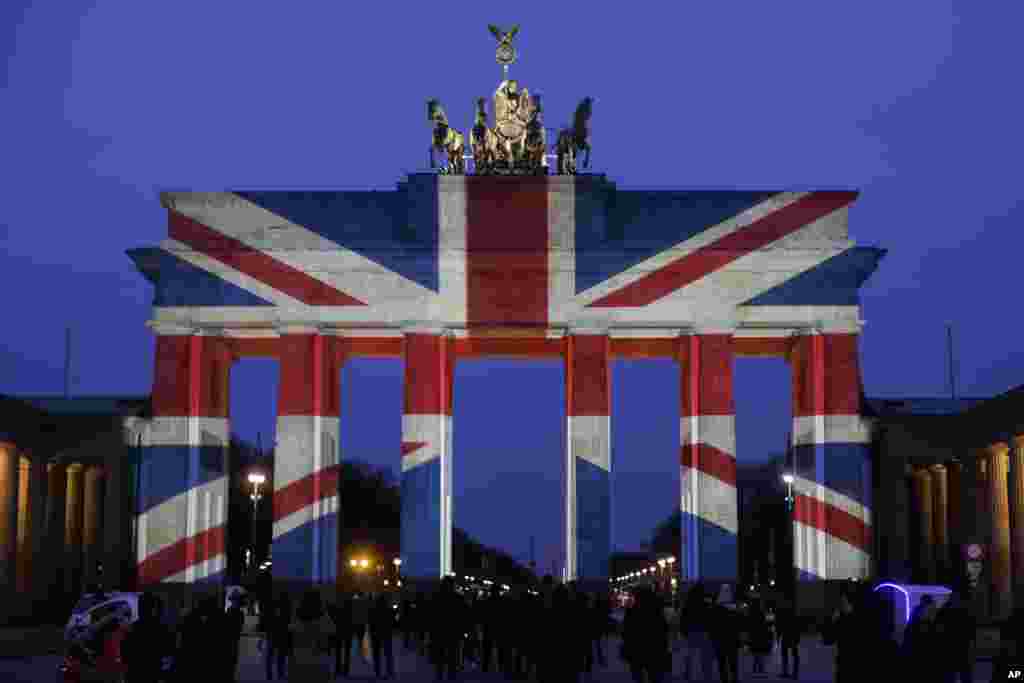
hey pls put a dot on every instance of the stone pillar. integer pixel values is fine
(1002, 586)
(940, 512)
(306, 462)
(588, 457)
(24, 548)
(8, 519)
(426, 536)
(926, 524)
(74, 508)
(92, 520)
(38, 492)
(832, 460)
(955, 521)
(708, 503)
(1016, 493)
(182, 503)
(56, 530)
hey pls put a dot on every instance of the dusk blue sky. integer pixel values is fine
(917, 104)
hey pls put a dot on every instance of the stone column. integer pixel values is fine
(1017, 518)
(74, 508)
(24, 549)
(926, 525)
(39, 584)
(832, 516)
(56, 530)
(588, 457)
(306, 462)
(940, 512)
(709, 502)
(8, 519)
(1002, 586)
(182, 503)
(955, 522)
(426, 535)
(92, 520)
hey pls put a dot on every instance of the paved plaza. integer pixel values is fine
(816, 667)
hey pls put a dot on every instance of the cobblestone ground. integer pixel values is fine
(816, 667)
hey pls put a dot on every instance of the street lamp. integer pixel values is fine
(788, 478)
(256, 480)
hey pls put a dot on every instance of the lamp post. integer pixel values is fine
(256, 480)
(790, 503)
(398, 570)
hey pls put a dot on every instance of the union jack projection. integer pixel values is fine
(569, 259)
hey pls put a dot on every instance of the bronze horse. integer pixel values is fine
(572, 140)
(446, 139)
(535, 144)
(481, 139)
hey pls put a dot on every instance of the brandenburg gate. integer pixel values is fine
(519, 258)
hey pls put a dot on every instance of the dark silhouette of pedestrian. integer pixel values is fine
(602, 619)
(956, 632)
(490, 612)
(760, 634)
(919, 641)
(382, 634)
(341, 615)
(790, 629)
(200, 640)
(695, 626)
(843, 630)
(311, 631)
(1010, 638)
(726, 624)
(445, 621)
(146, 644)
(360, 620)
(277, 649)
(645, 645)
(232, 624)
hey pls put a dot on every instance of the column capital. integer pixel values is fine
(1017, 441)
(169, 329)
(426, 328)
(937, 468)
(998, 449)
(284, 329)
(583, 329)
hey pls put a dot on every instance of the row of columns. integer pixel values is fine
(51, 521)
(979, 500)
(181, 512)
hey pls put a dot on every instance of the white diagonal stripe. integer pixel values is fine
(840, 560)
(590, 439)
(428, 429)
(810, 489)
(709, 498)
(822, 430)
(717, 431)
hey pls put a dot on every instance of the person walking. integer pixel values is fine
(645, 645)
(725, 626)
(341, 615)
(277, 647)
(760, 634)
(789, 630)
(233, 623)
(490, 610)
(311, 632)
(446, 624)
(146, 644)
(843, 631)
(695, 628)
(919, 641)
(382, 635)
(360, 621)
(200, 640)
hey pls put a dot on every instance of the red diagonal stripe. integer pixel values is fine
(833, 521)
(302, 493)
(256, 264)
(412, 446)
(710, 461)
(692, 267)
(181, 555)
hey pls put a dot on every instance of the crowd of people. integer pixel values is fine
(554, 634)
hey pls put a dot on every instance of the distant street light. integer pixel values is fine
(256, 480)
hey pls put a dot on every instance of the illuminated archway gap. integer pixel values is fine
(762, 390)
(369, 486)
(509, 459)
(253, 400)
(645, 456)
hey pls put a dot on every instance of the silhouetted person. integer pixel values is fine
(233, 623)
(695, 627)
(200, 640)
(277, 627)
(490, 621)
(311, 630)
(956, 632)
(360, 619)
(726, 625)
(382, 634)
(446, 618)
(341, 615)
(146, 644)
(844, 631)
(645, 638)
(602, 616)
(790, 629)
(919, 641)
(760, 634)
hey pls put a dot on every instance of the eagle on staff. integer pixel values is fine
(506, 54)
